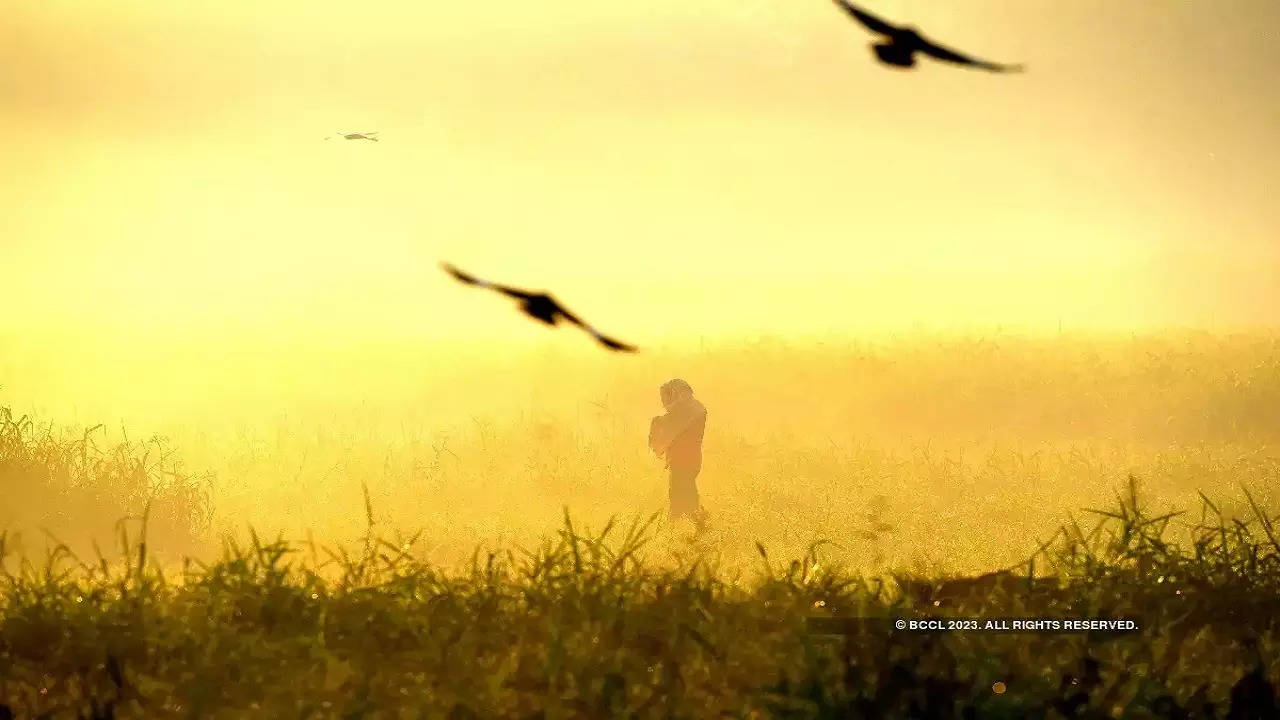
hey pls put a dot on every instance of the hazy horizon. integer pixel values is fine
(671, 169)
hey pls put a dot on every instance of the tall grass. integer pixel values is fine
(853, 479)
(581, 626)
(62, 483)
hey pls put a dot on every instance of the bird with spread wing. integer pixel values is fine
(539, 306)
(904, 43)
(356, 136)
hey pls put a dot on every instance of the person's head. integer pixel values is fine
(673, 391)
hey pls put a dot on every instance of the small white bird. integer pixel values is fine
(356, 136)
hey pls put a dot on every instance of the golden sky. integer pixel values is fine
(674, 167)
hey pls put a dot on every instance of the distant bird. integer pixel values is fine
(356, 136)
(539, 306)
(904, 42)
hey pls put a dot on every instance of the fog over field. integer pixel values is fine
(925, 452)
(954, 304)
(966, 343)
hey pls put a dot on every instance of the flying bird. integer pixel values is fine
(356, 136)
(539, 306)
(904, 42)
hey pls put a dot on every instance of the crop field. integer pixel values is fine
(672, 359)
(390, 530)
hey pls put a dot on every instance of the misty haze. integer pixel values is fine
(903, 340)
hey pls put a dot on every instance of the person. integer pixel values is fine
(676, 437)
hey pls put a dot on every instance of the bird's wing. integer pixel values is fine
(473, 280)
(599, 336)
(872, 22)
(564, 313)
(461, 276)
(613, 344)
(935, 50)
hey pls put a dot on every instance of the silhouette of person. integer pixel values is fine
(676, 437)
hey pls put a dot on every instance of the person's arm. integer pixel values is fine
(680, 417)
(664, 429)
(658, 441)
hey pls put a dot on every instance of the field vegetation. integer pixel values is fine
(360, 536)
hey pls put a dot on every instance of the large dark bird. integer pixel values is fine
(904, 42)
(539, 306)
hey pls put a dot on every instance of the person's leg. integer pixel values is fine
(683, 493)
(696, 513)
